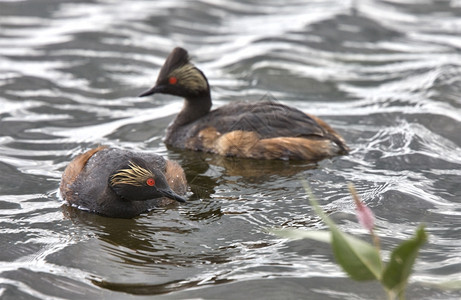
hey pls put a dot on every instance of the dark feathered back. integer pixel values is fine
(177, 58)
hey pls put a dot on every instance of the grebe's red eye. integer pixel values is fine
(150, 182)
(173, 80)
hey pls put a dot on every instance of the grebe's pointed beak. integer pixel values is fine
(172, 195)
(153, 90)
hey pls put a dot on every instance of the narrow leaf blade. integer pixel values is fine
(398, 269)
(296, 234)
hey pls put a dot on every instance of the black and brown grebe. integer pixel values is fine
(122, 184)
(263, 130)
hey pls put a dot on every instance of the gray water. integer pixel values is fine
(385, 74)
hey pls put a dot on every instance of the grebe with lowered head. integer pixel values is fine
(262, 130)
(122, 184)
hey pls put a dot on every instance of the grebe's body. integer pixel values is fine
(120, 183)
(262, 130)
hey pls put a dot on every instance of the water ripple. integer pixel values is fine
(386, 74)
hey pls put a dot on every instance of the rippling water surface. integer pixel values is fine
(385, 74)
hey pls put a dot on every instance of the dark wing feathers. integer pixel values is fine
(268, 119)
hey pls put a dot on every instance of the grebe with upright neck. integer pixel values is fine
(260, 130)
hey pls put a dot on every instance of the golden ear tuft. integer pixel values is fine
(133, 175)
(190, 77)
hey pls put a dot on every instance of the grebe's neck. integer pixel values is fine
(194, 108)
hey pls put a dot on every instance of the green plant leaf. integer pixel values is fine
(359, 259)
(454, 284)
(403, 257)
(296, 234)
